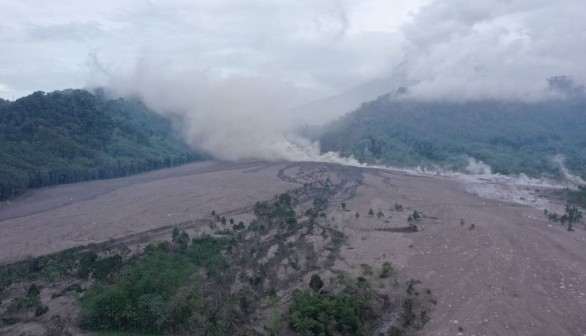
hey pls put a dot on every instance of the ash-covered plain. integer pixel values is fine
(495, 267)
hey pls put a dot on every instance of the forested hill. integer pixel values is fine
(74, 135)
(511, 137)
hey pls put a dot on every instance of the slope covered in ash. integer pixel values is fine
(74, 135)
(511, 137)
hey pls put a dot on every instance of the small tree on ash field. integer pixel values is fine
(572, 215)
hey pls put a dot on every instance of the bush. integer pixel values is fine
(32, 291)
(41, 310)
(316, 283)
(387, 270)
(85, 265)
(104, 267)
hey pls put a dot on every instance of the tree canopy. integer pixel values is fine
(511, 137)
(74, 135)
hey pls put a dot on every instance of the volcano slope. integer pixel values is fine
(496, 268)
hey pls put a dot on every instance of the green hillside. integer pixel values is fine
(511, 137)
(74, 135)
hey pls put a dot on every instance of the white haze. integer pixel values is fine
(235, 117)
(232, 80)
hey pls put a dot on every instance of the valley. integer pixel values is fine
(494, 266)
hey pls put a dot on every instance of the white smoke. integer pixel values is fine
(477, 167)
(577, 180)
(230, 116)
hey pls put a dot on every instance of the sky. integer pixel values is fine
(319, 46)
(443, 48)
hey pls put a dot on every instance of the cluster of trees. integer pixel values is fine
(27, 303)
(280, 212)
(314, 312)
(174, 287)
(47, 268)
(74, 135)
(511, 137)
(572, 215)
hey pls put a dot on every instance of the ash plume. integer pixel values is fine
(236, 117)
(232, 89)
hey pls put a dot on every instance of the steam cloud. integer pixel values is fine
(239, 107)
(233, 118)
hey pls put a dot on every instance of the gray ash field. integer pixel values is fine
(511, 273)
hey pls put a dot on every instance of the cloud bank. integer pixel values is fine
(490, 49)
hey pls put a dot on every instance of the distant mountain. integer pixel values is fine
(324, 110)
(74, 135)
(511, 137)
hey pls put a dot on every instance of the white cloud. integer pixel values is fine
(451, 48)
(328, 44)
(494, 48)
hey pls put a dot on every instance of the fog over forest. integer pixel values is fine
(242, 79)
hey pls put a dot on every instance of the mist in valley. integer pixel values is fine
(252, 101)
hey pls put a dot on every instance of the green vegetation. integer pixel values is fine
(164, 291)
(72, 136)
(343, 314)
(571, 215)
(387, 270)
(511, 137)
(220, 286)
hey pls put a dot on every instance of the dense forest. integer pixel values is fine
(511, 137)
(74, 135)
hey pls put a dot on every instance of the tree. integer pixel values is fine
(343, 204)
(175, 234)
(571, 216)
(386, 270)
(183, 241)
(370, 213)
(380, 214)
(285, 199)
(33, 291)
(316, 283)
(416, 215)
(357, 215)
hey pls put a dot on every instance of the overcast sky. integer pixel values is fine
(479, 48)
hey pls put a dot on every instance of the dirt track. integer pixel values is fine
(514, 274)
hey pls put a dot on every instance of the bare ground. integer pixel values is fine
(513, 274)
(57, 218)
